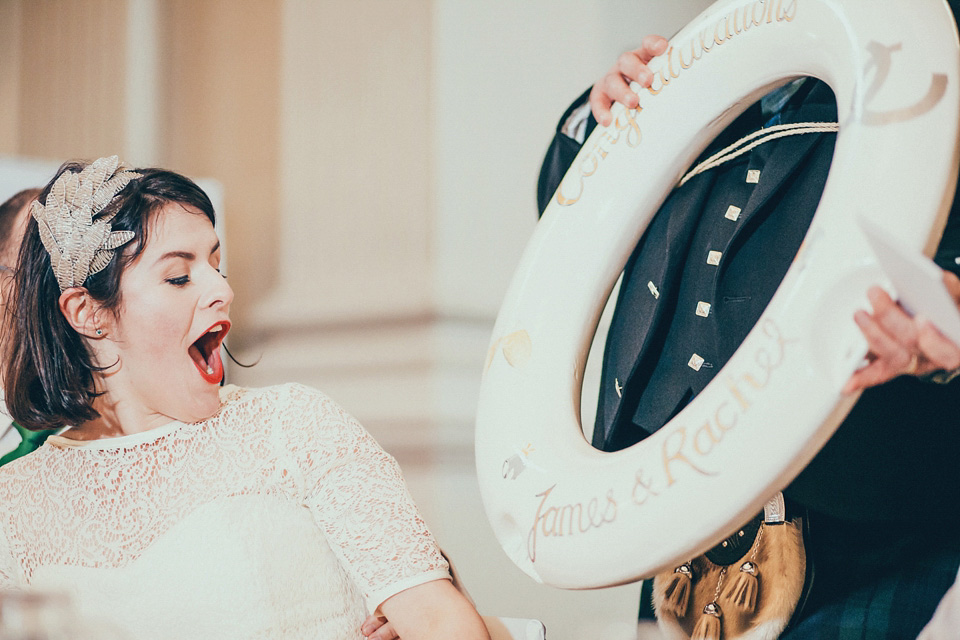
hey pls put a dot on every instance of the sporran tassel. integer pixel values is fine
(741, 593)
(709, 627)
(677, 593)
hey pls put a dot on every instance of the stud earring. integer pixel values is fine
(99, 332)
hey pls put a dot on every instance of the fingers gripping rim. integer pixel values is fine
(574, 517)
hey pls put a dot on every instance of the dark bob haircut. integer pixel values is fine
(48, 372)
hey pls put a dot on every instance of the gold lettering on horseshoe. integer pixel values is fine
(694, 452)
(789, 13)
(624, 127)
(705, 439)
(642, 488)
(568, 519)
(676, 454)
(726, 28)
(682, 451)
(881, 61)
(720, 422)
(517, 349)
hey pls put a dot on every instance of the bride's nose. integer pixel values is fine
(219, 292)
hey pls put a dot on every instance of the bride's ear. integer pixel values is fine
(84, 314)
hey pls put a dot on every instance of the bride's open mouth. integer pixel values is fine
(205, 352)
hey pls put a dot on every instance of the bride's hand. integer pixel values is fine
(378, 628)
(431, 611)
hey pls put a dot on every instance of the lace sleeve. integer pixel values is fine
(7, 564)
(357, 495)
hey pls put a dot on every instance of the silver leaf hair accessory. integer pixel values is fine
(80, 246)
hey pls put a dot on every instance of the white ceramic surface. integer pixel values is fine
(574, 517)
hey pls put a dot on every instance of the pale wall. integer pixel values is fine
(10, 37)
(354, 208)
(59, 81)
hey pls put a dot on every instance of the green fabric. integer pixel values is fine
(31, 441)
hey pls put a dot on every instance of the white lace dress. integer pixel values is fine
(280, 517)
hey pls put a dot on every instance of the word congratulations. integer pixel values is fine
(725, 29)
(683, 451)
(625, 122)
(677, 60)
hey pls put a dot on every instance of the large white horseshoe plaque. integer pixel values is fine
(574, 517)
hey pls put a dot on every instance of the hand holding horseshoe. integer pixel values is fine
(901, 345)
(614, 86)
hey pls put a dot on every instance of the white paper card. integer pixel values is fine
(917, 280)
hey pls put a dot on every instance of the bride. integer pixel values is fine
(171, 506)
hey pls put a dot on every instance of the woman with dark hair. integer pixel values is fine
(172, 506)
(15, 441)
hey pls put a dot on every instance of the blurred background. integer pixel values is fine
(375, 162)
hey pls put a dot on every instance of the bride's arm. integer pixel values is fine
(356, 493)
(7, 570)
(433, 610)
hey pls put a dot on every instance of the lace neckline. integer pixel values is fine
(144, 437)
(117, 442)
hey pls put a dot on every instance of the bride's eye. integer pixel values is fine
(179, 281)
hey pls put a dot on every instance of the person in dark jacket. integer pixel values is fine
(881, 548)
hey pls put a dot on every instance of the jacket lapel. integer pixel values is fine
(658, 260)
(780, 158)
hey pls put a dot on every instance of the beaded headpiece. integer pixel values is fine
(79, 245)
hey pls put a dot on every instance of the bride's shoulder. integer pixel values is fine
(278, 400)
(22, 475)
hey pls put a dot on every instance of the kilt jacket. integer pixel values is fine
(725, 239)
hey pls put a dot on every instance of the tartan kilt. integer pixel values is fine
(874, 581)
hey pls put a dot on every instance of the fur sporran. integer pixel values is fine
(745, 588)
